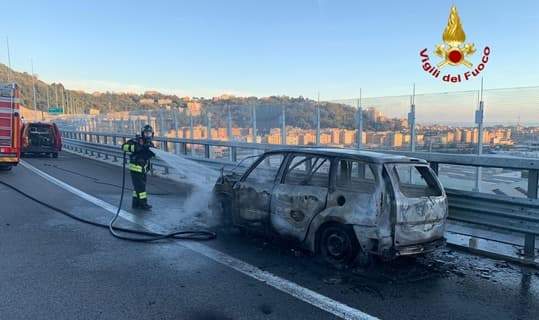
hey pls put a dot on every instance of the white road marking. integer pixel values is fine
(304, 294)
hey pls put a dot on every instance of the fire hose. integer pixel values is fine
(142, 236)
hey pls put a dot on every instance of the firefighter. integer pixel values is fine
(139, 164)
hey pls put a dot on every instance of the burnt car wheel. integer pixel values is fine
(226, 211)
(338, 245)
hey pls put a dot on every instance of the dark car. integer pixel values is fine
(40, 138)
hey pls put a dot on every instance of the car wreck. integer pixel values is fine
(341, 204)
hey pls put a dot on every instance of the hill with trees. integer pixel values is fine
(299, 111)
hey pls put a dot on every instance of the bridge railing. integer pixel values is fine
(498, 211)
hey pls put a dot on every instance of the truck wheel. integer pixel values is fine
(338, 245)
(55, 155)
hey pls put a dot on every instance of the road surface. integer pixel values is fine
(53, 267)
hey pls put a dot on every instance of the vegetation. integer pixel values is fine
(299, 112)
(56, 94)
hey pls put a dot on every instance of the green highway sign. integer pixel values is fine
(56, 110)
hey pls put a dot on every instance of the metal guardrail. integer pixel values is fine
(519, 215)
(114, 153)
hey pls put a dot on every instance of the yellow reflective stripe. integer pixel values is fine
(128, 147)
(134, 167)
(141, 195)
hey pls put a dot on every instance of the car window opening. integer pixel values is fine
(266, 170)
(307, 172)
(355, 176)
(416, 181)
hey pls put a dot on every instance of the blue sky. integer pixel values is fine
(206, 48)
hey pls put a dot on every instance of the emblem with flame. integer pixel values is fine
(452, 50)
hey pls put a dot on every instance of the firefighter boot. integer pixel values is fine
(143, 204)
(136, 203)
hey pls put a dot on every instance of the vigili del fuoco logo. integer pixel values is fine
(454, 52)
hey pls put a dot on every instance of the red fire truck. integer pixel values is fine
(10, 125)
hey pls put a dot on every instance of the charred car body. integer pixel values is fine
(340, 203)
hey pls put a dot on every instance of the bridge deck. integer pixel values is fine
(54, 267)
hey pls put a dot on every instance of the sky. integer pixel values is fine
(278, 47)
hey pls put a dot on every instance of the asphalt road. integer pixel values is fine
(52, 267)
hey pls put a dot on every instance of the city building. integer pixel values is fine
(395, 139)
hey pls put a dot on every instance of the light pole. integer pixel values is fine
(411, 121)
(8, 61)
(359, 121)
(56, 90)
(479, 115)
(253, 116)
(229, 122)
(318, 119)
(208, 133)
(283, 124)
(48, 98)
(33, 85)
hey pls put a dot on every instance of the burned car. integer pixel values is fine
(342, 204)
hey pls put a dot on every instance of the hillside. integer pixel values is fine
(300, 112)
(78, 100)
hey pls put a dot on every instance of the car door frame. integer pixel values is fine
(239, 188)
(296, 228)
(340, 196)
(406, 215)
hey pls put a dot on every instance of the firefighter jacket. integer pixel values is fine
(139, 154)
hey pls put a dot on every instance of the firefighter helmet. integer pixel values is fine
(147, 132)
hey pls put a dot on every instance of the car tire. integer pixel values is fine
(6, 168)
(338, 245)
(226, 211)
(55, 155)
(222, 209)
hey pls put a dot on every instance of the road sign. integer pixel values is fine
(55, 110)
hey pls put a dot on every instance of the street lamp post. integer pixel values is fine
(479, 116)
(283, 124)
(253, 117)
(359, 121)
(411, 121)
(318, 120)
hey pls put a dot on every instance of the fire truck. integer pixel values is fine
(10, 125)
